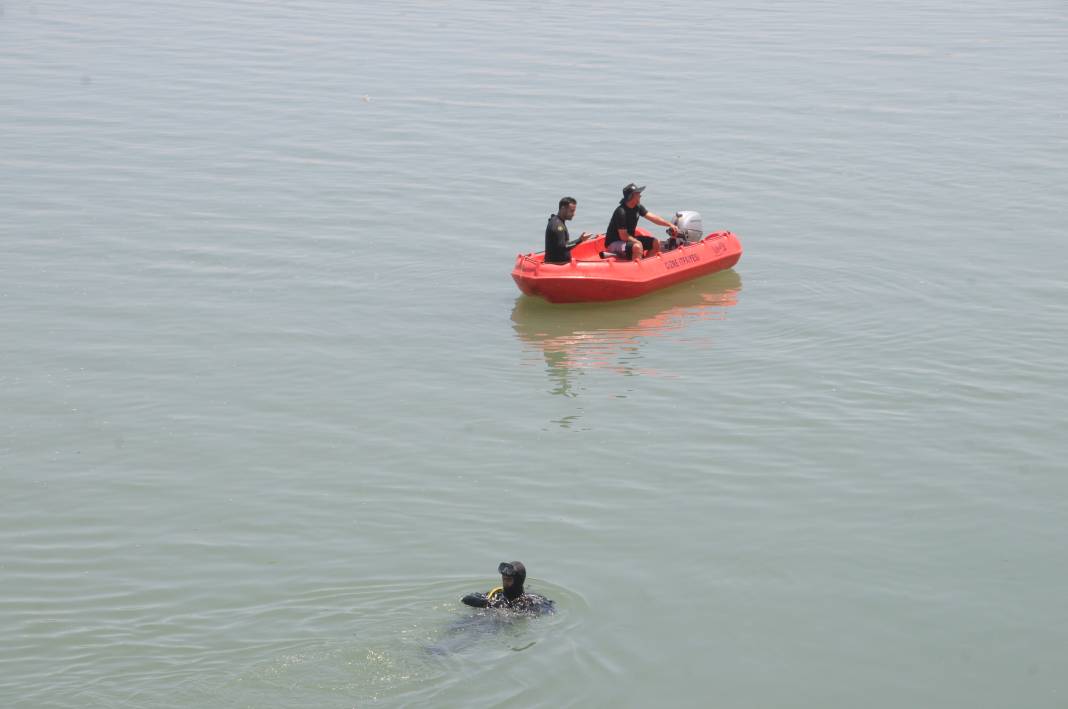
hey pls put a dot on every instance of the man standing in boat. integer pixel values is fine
(557, 250)
(619, 237)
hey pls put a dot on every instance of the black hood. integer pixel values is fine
(519, 576)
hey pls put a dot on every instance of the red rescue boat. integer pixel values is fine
(591, 276)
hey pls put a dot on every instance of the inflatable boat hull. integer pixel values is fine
(589, 277)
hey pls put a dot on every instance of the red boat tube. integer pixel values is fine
(589, 277)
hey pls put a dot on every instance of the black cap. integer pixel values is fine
(631, 189)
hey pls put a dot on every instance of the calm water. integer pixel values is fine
(270, 402)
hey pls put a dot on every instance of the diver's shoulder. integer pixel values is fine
(537, 603)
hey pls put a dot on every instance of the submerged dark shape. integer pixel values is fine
(510, 594)
(503, 607)
(470, 630)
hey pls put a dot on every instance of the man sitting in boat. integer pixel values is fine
(557, 250)
(510, 593)
(619, 237)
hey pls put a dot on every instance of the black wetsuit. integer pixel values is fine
(556, 236)
(512, 597)
(532, 603)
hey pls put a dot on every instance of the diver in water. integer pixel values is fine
(510, 593)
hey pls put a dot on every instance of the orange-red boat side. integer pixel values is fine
(590, 278)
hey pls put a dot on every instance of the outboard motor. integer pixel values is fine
(690, 230)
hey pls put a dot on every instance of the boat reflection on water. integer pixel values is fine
(609, 336)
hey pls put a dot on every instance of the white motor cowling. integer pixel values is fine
(689, 226)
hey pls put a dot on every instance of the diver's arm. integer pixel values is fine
(539, 604)
(475, 600)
